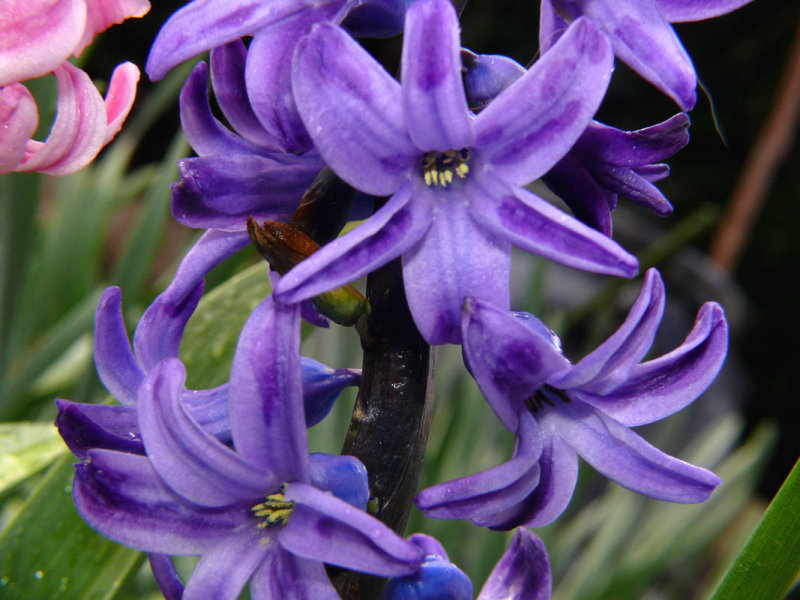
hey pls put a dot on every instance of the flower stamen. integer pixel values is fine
(274, 511)
(546, 395)
(438, 168)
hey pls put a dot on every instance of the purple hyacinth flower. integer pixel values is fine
(523, 573)
(641, 34)
(605, 162)
(560, 411)
(236, 175)
(122, 369)
(455, 180)
(260, 512)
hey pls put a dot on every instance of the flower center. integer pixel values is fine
(546, 395)
(441, 168)
(274, 511)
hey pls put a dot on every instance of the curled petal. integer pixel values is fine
(327, 529)
(192, 462)
(390, 232)
(433, 92)
(632, 185)
(660, 387)
(352, 109)
(534, 225)
(119, 97)
(534, 122)
(166, 576)
(508, 360)
(36, 36)
(222, 573)
(79, 130)
(87, 426)
(102, 14)
(321, 386)
(480, 497)
(117, 367)
(523, 572)
(18, 121)
(121, 496)
(455, 259)
(284, 576)
(621, 455)
(609, 364)
(265, 395)
(634, 148)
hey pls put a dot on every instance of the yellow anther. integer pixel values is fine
(437, 168)
(462, 170)
(447, 177)
(275, 510)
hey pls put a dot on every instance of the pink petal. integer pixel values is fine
(119, 97)
(102, 14)
(37, 35)
(18, 121)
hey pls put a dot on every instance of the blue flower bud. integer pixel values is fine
(437, 579)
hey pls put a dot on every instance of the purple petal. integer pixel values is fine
(429, 545)
(204, 24)
(220, 192)
(284, 576)
(343, 476)
(116, 365)
(558, 474)
(456, 258)
(222, 572)
(608, 365)
(121, 496)
(634, 148)
(680, 11)
(166, 575)
(643, 39)
(627, 182)
(551, 26)
(487, 75)
(308, 310)
(652, 173)
(268, 77)
(481, 496)
(507, 359)
(523, 572)
(158, 334)
(205, 133)
(210, 409)
(327, 529)
(530, 126)
(266, 396)
(87, 426)
(589, 202)
(534, 225)
(227, 78)
(192, 462)
(663, 386)
(433, 92)
(390, 232)
(624, 457)
(322, 386)
(352, 109)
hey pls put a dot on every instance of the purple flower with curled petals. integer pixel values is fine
(455, 180)
(262, 511)
(560, 411)
(605, 162)
(523, 573)
(123, 369)
(642, 35)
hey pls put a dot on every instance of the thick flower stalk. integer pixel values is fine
(642, 36)
(559, 411)
(455, 179)
(37, 37)
(263, 510)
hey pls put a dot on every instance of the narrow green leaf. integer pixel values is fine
(25, 449)
(209, 340)
(769, 563)
(48, 553)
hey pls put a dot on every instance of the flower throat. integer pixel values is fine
(441, 168)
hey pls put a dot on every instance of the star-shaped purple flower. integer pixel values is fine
(560, 411)
(641, 34)
(455, 180)
(261, 511)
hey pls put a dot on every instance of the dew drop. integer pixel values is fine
(38, 574)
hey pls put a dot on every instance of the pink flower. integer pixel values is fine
(37, 37)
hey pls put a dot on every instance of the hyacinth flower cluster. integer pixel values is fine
(36, 38)
(435, 164)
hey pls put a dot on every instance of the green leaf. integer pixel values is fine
(47, 552)
(209, 340)
(25, 449)
(770, 562)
